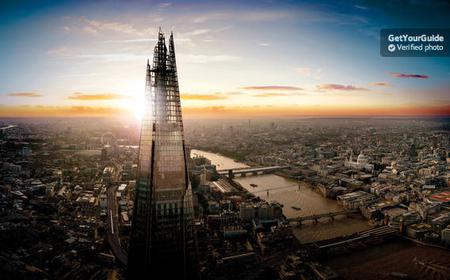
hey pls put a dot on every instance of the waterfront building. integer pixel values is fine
(260, 211)
(356, 199)
(161, 237)
(246, 211)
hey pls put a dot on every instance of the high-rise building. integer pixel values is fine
(161, 235)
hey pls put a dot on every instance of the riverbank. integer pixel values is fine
(287, 192)
(221, 162)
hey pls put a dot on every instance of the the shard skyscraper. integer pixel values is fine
(161, 235)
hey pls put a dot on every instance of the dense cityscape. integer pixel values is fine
(223, 140)
(60, 179)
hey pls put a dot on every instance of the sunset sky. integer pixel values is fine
(235, 59)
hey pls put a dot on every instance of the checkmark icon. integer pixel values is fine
(391, 48)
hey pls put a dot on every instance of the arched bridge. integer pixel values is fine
(316, 217)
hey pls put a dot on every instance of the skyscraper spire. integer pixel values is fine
(161, 230)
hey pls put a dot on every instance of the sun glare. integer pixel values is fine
(138, 107)
(135, 106)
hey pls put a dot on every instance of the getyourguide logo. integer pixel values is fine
(415, 42)
(415, 38)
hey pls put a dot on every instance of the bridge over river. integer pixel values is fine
(316, 217)
(251, 170)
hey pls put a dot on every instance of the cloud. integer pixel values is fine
(380, 84)
(416, 76)
(94, 27)
(137, 40)
(269, 94)
(339, 87)
(164, 5)
(111, 57)
(59, 111)
(190, 96)
(360, 7)
(263, 95)
(309, 73)
(148, 40)
(234, 92)
(264, 44)
(257, 16)
(195, 32)
(301, 13)
(223, 28)
(92, 110)
(199, 58)
(283, 88)
(95, 96)
(25, 94)
(112, 26)
(90, 30)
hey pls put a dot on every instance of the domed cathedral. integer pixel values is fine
(361, 163)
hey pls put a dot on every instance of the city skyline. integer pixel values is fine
(257, 59)
(253, 140)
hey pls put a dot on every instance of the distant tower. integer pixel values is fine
(161, 234)
(273, 126)
(412, 152)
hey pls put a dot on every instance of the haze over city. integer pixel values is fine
(236, 59)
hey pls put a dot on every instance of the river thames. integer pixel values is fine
(375, 262)
(290, 194)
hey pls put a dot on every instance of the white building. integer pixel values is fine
(361, 163)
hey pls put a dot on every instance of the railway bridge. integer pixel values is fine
(250, 170)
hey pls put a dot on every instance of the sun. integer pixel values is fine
(135, 105)
(139, 108)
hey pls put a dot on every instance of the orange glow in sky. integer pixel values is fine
(234, 60)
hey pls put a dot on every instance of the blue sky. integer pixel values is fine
(257, 57)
